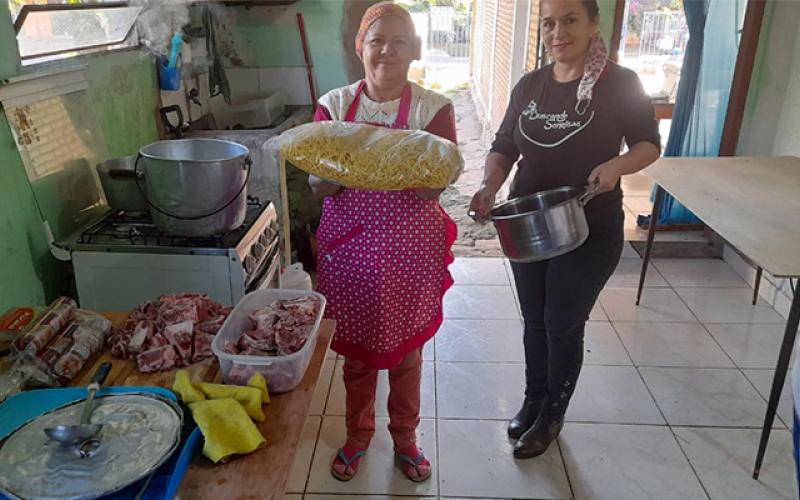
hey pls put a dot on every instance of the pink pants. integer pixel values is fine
(404, 401)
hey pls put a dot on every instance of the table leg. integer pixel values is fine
(759, 272)
(651, 234)
(780, 377)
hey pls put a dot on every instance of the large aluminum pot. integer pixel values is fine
(119, 184)
(542, 225)
(196, 187)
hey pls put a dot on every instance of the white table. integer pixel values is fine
(754, 204)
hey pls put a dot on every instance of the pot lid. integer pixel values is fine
(140, 432)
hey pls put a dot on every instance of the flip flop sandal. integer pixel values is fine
(347, 464)
(405, 459)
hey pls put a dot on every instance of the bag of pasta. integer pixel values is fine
(358, 155)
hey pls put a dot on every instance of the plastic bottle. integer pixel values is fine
(295, 278)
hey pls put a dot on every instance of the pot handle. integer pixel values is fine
(589, 192)
(247, 165)
(474, 216)
(124, 174)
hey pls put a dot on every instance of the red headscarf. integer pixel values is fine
(380, 10)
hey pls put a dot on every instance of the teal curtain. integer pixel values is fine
(705, 86)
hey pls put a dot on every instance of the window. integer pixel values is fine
(49, 31)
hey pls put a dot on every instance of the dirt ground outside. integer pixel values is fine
(474, 240)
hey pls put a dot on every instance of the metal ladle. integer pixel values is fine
(76, 434)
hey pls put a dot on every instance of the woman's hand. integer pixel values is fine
(429, 194)
(323, 188)
(604, 178)
(483, 202)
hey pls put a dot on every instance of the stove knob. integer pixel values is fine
(249, 264)
(265, 238)
(259, 250)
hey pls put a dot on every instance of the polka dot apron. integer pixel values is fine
(383, 259)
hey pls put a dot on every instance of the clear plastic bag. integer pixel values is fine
(364, 156)
(22, 371)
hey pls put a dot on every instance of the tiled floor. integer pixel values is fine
(669, 404)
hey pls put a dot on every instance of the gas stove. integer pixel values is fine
(123, 260)
(118, 231)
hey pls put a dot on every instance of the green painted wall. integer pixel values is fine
(608, 9)
(123, 90)
(267, 37)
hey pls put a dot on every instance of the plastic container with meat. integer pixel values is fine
(282, 372)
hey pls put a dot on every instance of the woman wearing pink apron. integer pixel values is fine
(383, 255)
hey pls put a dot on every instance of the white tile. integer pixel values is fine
(727, 305)
(331, 354)
(618, 462)
(364, 497)
(612, 394)
(323, 388)
(479, 271)
(705, 397)
(627, 275)
(597, 313)
(659, 305)
(480, 302)
(476, 460)
(480, 341)
(429, 351)
(762, 380)
(724, 458)
(337, 398)
(698, 273)
(304, 455)
(603, 347)
(377, 474)
(750, 345)
(628, 252)
(672, 345)
(479, 391)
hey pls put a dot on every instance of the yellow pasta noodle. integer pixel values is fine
(364, 156)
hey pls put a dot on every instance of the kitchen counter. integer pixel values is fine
(262, 474)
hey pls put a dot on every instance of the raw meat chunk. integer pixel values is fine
(180, 336)
(202, 346)
(159, 340)
(241, 375)
(141, 336)
(159, 359)
(211, 325)
(264, 318)
(292, 340)
(230, 347)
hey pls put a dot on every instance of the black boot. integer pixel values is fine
(538, 438)
(525, 418)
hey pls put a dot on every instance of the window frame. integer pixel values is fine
(31, 8)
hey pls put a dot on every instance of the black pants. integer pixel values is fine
(556, 297)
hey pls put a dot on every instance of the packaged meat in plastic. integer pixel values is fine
(59, 346)
(22, 371)
(364, 156)
(88, 337)
(46, 327)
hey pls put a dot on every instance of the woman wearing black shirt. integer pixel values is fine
(567, 121)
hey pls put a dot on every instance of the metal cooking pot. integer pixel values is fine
(119, 184)
(542, 225)
(195, 187)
